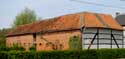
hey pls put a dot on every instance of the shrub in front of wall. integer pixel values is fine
(32, 48)
(75, 43)
(85, 54)
(4, 55)
(16, 48)
(3, 48)
(48, 55)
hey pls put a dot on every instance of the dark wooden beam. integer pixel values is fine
(115, 40)
(111, 38)
(34, 40)
(122, 41)
(81, 40)
(98, 39)
(92, 40)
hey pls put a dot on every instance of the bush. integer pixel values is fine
(111, 53)
(15, 48)
(3, 48)
(85, 54)
(32, 48)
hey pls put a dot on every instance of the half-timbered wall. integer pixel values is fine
(103, 39)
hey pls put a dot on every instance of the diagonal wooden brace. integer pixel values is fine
(92, 40)
(115, 40)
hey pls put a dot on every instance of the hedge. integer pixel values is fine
(85, 54)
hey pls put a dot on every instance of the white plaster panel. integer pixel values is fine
(117, 32)
(115, 46)
(92, 47)
(104, 31)
(103, 38)
(104, 41)
(104, 46)
(118, 36)
(90, 30)
(89, 35)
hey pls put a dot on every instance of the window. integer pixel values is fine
(40, 44)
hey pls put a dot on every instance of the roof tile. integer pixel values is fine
(67, 22)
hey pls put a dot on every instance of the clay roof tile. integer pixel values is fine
(69, 22)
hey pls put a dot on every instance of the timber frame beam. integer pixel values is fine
(96, 36)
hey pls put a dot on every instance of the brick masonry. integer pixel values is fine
(25, 41)
(47, 41)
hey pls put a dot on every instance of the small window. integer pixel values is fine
(74, 36)
(40, 44)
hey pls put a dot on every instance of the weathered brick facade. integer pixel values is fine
(43, 41)
(60, 39)
(25, 41)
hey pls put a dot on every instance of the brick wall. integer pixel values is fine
(59, 40)
(26, 41)
(48, 41)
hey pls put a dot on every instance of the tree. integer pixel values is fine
(3, 33)
(25, 17)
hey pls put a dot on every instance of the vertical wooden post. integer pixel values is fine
(81, 43)
(98, 39)
(122, 40)
(34, 40)
(111, 38)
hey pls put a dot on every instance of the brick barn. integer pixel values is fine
(95, 31)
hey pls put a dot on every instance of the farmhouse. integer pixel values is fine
(95, 31)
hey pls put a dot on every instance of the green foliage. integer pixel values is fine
(25, 17)
(111, 53)
(3, 48)
(85, 54)
(3, 33)
(16, 48)
(32, 48)
(75, 43)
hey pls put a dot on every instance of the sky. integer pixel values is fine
(53, 8)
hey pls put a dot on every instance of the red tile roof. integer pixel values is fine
(69, 22)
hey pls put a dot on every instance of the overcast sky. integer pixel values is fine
(53, 8)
